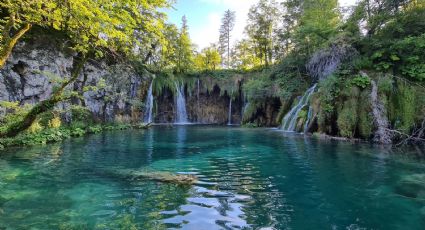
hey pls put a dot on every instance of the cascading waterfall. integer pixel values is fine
(181, 116)
(197, 101)
(245, 107)
(229, 122)
(149, 106)
(290, 119)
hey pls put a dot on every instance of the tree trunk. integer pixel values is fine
(44, 106)
(10, 42)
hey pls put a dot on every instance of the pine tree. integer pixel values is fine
(227, 25)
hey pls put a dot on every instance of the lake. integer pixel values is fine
(247, 179)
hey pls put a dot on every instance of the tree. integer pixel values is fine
(227, 25)
(184, 49)
(291, 14)
(243, 57)
(18, 16)
(262, 23)
(317, 24)
(208, 59)
(95, 28)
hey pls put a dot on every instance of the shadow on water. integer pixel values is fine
(247, 179)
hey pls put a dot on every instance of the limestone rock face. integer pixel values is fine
(34, 67)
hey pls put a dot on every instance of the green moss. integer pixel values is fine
(403, 108)
(365, 119)
(348, 113)
(347, 119)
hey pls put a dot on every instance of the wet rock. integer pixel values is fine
(412, 186)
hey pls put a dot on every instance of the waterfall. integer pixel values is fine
(382, 135)
(181, 115)
(197, 102)
(149, 106)
(245, 107)
(307, 122)
(290, 119)
(229, 122)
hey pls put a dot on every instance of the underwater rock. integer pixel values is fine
(412, 186)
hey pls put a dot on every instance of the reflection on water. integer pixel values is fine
(248, 179)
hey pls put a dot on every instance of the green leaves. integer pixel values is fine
(360, 81)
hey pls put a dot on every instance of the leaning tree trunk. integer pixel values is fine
(9, 42)
(44, 106)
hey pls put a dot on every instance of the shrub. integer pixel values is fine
(94, 129)
(55, 123)
(361, 81)
(80, 113)
(35, 127)
(78, 132)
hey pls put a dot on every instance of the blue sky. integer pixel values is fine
(204, 17)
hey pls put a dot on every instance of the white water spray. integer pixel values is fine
(181, 115)
(290, 119)
(149, 106)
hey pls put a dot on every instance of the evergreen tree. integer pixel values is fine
(227, 25)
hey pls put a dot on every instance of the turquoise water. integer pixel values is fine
(248, 179)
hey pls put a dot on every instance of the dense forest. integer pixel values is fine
(74, 67)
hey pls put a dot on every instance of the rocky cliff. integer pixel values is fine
(116, 92)
(109, 91)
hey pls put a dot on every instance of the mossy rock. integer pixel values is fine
(412, 186)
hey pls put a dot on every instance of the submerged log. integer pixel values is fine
(159, 176)
(165, 177)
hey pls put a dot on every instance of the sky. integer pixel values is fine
(204, 17)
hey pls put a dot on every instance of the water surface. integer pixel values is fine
(248, 179)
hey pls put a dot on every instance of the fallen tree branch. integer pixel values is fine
(417, 136)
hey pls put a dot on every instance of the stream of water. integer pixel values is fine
(248, 179)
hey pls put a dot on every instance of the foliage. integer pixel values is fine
(35, 127)
(406, 100)
(262, 24)
(208, 59)
(80, 113)
(184, 49)
(317, 24)
(55, 122)
(361, 81)
(365, 119)
(242, 56)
